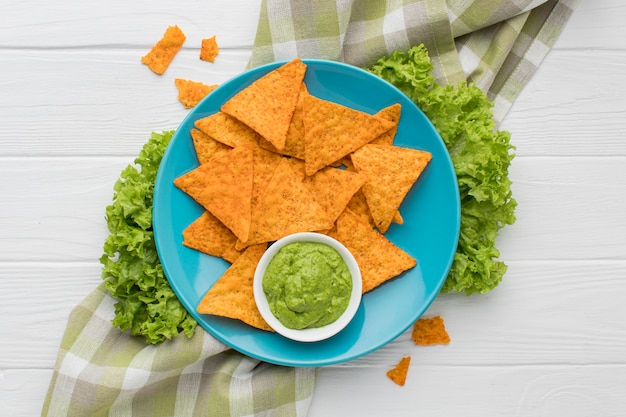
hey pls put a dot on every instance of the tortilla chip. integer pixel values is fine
(226, 129)
(391, 172)
(209, 49)
(294, 142)
(297, 165)
(163, 52)
(285, 206)
(190, 92)
(264, 165)
(208, 235)
(358, 206)
(378, 258)
(333, 188)
(232, 295)
(268, 104)
(332, 131)
(223, 186)
(399, 372)
(430, 331)
(391, 113)
(206, 147)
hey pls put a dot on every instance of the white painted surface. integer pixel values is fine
(76, 106)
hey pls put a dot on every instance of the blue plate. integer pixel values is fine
(430, 231)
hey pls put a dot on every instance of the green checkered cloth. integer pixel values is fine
(102, 371)
(496, 44)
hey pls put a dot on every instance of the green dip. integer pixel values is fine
(307, 284)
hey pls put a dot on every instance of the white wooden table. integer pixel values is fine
(76, 106)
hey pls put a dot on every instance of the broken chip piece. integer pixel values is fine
(209, 49)
(163, 52)
(399, 372)
(190, 93)
(430, 331)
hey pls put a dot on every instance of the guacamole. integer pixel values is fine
(307, 284)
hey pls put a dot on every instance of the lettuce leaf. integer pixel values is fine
(481, 156)
(146, 304)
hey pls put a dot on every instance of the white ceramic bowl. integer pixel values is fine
(309, 334)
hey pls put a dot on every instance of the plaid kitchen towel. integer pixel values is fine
(102, 371)
(495, 44)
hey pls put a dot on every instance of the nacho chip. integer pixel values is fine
(391, 113)
(232, 295)
(226, 129)
(208, 235)
(223, 186)
(206, 147)
(263, 165)
(285, 206)
(333, 188)
(378, 258)
(358, 206)
(430, 331)
(399, 372)
(332, 131)
(294, 142)
(268, 104)
(190, 92)
(391, 172)
(163, 52)
(209, 49)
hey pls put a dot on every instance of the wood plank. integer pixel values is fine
(57, 209)
(51, 109)
(542, 313)
(56, 107)
(569, 208)
(529, 391)
(38, 298)
(473, 391)
(135, 25)
(576, 115)
(595, 25)
(548, 313)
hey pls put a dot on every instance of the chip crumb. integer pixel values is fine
(190, 93)
(163, 52)
(209, 49)
(399, 372)
(430, 331)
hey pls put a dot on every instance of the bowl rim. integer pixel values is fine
(309, 334)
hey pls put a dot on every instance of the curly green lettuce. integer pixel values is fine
(481, 155)
(146, 304)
